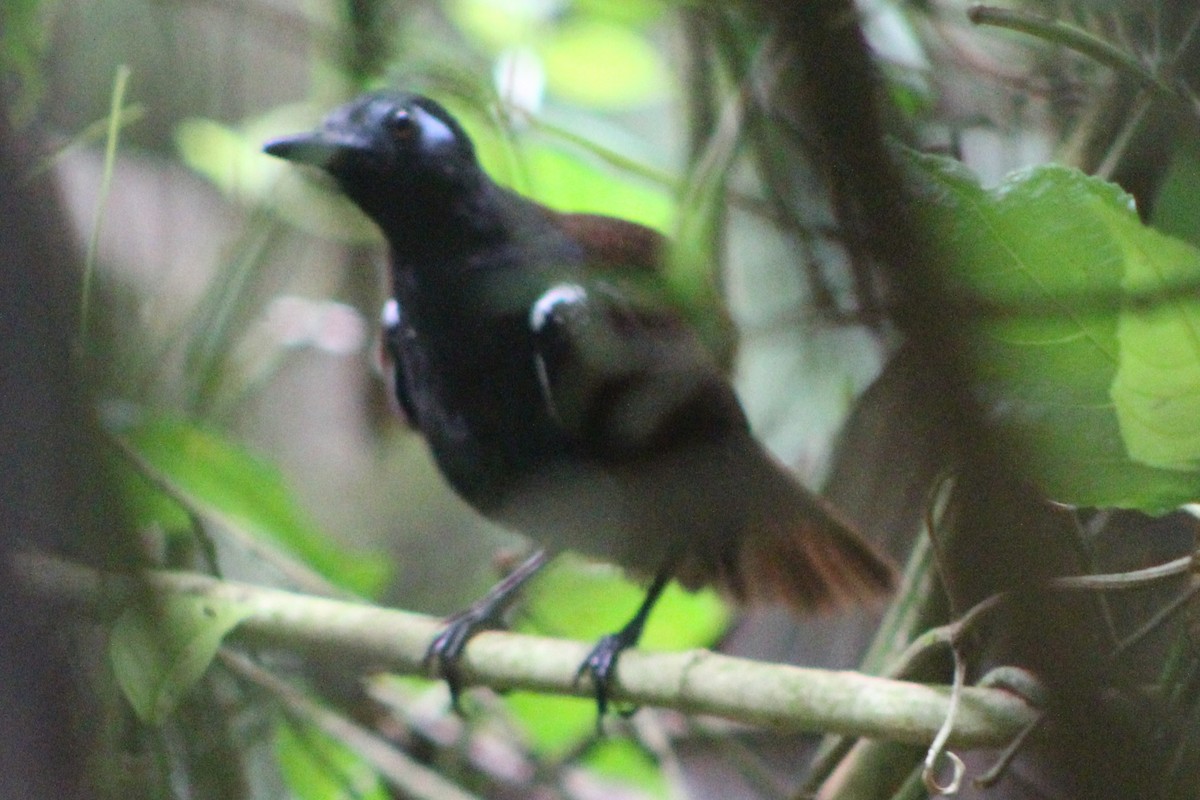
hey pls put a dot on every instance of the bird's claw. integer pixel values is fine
(445, 651)
(600, 667)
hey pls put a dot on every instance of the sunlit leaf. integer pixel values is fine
(578, 599)
(626, 761)
(553, 725)
(570, 182)
(500, 25)
(221, 154)
(626, 12)
(601, 65)
(158, 653)
(556, 726)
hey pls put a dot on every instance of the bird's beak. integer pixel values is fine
(321, 149)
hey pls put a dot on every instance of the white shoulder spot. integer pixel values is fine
(562, 294)
(389, 316)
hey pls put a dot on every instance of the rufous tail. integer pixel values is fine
(796, 550)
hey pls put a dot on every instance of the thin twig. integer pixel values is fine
(938, 748)
(1133, 579)
(1161, 616)
(997, 770)
(1077, 39)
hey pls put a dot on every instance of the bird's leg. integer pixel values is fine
(485, 614)
(601, 663)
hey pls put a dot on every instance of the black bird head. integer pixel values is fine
(389, 152)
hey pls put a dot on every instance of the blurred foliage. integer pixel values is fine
(22, 42)
(220, 482)
(569, 48)
(315, 767)
(1080, 317)
(578, 599)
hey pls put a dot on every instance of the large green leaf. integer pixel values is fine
(555, 727)
(629, 762)
(223, 482)
(1081, 327)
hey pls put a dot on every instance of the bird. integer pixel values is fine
(563, 400)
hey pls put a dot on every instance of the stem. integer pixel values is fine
(110, 158)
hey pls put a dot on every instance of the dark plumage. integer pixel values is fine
(559, 403)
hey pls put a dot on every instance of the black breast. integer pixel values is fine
(468, 364)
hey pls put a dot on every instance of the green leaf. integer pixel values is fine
(579, 599)
(602, 65)
(569, 182)
(595, 56)
(316, 767)
(225, 483)
(147, 506)
(556, 726)
(553, 726)
(158, 654)
(221, 154)
(627, 12)
(626, 761)
(498, 25)
(23, 36)
(1081, 347)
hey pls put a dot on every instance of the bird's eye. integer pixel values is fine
(401, 125)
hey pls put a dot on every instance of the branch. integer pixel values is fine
(698, 681)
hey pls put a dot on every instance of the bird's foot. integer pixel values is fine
(445, 652)
(601, 663)
(444, 656)
(600, 667)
